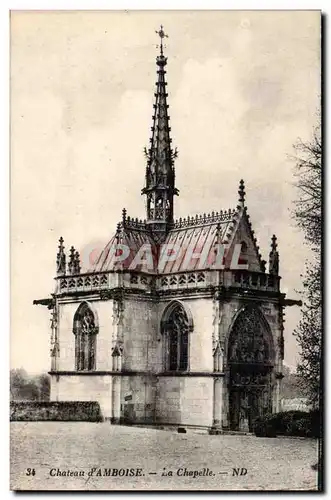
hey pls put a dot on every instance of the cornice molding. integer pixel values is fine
(125, 373)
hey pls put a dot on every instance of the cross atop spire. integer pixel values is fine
(162, 35)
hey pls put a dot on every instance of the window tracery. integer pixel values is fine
(177, 339)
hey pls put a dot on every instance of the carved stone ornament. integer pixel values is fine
(248, 342)
(118, 310)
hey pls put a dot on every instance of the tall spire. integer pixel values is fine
(160, 173)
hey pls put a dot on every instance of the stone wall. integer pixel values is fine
(138, 396)
(197, 401)
(147, 397)
(185, 400)
(142, 341)
(83, 388)
(104, 311)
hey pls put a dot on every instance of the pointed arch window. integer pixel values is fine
(176, 327)
(85, 331)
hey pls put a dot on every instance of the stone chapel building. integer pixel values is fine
(177, 342)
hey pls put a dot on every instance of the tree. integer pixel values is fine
(24, 387)
(308, 206)
(291, 387)
(308, 216)
(18, 378)
(42, 382)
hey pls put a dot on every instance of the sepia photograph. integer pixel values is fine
(166, 236)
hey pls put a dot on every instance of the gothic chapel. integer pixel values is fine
(177, 342)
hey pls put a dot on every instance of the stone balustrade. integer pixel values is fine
(251, 280)
(194, 279)
(182, 280)
(85, 282)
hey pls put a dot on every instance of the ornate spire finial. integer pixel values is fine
(241, 193)
(162, 35)
(124, 215)
(274, 242)
(274, 257)
(263, 265)
(61, 259)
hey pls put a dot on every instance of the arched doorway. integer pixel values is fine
(250, 359)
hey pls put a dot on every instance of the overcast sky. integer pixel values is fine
(243, 87)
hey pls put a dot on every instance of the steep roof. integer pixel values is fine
(131, 238)
(190, 244)
(198, 236)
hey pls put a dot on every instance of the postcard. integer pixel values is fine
(166, 201)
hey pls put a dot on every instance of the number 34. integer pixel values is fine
(30, 472)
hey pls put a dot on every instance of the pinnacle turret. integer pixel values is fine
(274, 257)
(71, 263)
(61, 259)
